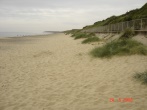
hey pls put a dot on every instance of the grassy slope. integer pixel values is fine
(133, 14)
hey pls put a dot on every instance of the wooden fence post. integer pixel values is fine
(133, 25)
(122, 26)
(141, 24)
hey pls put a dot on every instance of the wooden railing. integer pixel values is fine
(136, 25)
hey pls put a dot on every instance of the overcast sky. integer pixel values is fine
(44, 15)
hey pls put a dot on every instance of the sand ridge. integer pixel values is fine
(56, 73)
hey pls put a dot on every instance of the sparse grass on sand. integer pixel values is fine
(128, 33)
(119, 47)
(141, 77)
(80, 35)
(91, 39)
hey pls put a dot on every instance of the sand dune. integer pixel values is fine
(55, 72)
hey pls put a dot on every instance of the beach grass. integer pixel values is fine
(119, 47)
(91, 39)
(128, 33)
(71, 31)
(79, 35)
(141, 77)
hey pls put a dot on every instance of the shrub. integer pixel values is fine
(120, 47)
(128, 33)
(141, 77)
(91, 39)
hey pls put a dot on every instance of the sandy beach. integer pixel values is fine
(56, 72)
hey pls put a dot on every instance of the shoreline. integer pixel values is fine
(15, 36)
(23, 36)
(28, 36)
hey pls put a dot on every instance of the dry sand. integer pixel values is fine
(55, 72)
(141, 38)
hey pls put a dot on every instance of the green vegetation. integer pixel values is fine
(131, 15)
(78, 35)
(120, 47)
(91, 34)
(141, 77)
(91, 39)
(128, 33)
(73, 31)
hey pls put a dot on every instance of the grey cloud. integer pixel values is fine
(66, 13)
(67, 3)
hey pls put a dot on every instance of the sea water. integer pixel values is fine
(20, 34)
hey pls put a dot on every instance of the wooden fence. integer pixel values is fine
(136, 25)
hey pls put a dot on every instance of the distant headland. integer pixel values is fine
(52, 31)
